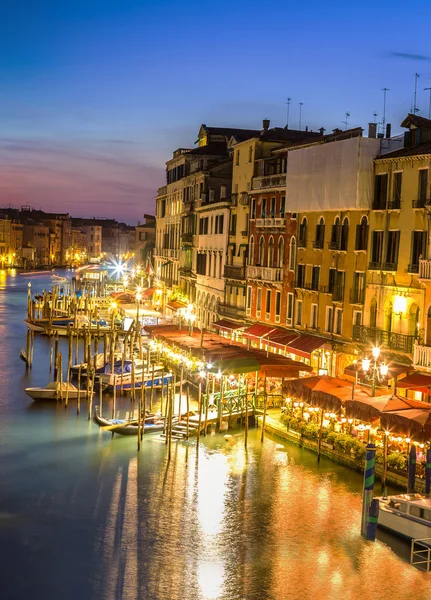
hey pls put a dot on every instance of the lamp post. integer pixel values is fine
(138, 301)
(374, 370)
(190, 318)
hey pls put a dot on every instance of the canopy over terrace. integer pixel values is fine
(417, 382)
(367, 409)
(413, 422)
(213, 349)
(315, 390)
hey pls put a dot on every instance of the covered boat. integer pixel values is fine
(53, 391)
(153, 424)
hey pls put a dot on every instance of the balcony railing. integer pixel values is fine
(318, 244)
(244, 200)
(334, 245)
(187, 237)
(413, 268)
(419, 203)
(269, 181)
(374, 266)
(230, 310)
(422, 356)
(394, 205)
(338, 295)
(381, 337)
(357, 296)
(389, 266)
(234, 272)
(265, 273)
(272, 222)
(244, 233)
(302, 243)
(424, 269)
(378, 205)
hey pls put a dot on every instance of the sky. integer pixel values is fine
(96, 94)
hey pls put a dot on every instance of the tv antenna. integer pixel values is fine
(375, 118)
(384, 90)
(347, 115)
(301, 104)
(289, 101)
(428, 89)
(415, 108)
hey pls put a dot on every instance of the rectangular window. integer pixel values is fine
(272, 215)
(315, 277)
(377, 247)
(358, 290)
(253, 208)
(212, 196)
(332, 280)
(289, 312)
(423, 185)
(250, 154)
(300, 276)
(222, 192)
(263, 210)
(268, 301)
(338, 321)
(282, 206)
(357, 318)
(298, 320)
(380, 191)
(313, 316)
(396, 192)
(418, 249)
(248, 297)
(259, 299)
(329, 319)
(237, 158)
(201, 264)
(232, 224)
(277, 304)
(392, 246)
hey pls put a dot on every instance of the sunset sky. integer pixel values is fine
(95, 94)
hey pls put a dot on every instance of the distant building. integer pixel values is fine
(145, 238)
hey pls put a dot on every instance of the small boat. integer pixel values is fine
(122, 375)
(406, 515)
(41, 325)
(59, 278)
(52, 391)
(153, 424)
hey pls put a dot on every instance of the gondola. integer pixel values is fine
(153, 424)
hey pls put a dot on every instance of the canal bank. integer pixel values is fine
(276, 428)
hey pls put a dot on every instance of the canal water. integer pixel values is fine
(84, 516)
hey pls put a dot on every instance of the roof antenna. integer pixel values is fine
(301, 104)
(415, 108)
(346, 121)
(289, 100)
(375, 118)
(384, 90)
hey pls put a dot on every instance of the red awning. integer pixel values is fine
(279, 338)
(304, 345)
(148, 292)
(226, 324)
(418, 382)
(175, 305)
(258, 331)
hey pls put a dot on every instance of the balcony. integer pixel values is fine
(269, 181)
(277, 222)
(413, 268)
(187, 237)
(422, 356)
(334, 245)
(394, 205)
(274, 274)
(302, 243)
(389, 266)
(378, 205)
(338, 295)
(424, 269)
(185, 271)
(230, 310)
(318, 244)
(244, 199)
(357, 296)
(234, 272)
(380, 337)
(244, 233)
(419, 203)
(374, 266)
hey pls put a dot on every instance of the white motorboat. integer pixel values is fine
(406, 515)
(53, 391)
(122, 377)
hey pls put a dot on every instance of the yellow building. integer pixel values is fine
(398, 294)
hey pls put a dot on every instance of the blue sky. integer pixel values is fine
(95, 95)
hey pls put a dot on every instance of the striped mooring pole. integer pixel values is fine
(367, 495)
(428, 472)
(411, 475)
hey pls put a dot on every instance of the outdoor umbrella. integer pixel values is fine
(413, 422)
(368, 408)
(235, 366)
(318, 391)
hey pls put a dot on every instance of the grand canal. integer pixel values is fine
(84, 516)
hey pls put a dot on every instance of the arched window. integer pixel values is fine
(280, 253)
(362, 234)
(302, 241)
(320, 234)
(335, 234)
(270, 257)
(292, 253)
(345, 234)
(261, 260)
(251, 251)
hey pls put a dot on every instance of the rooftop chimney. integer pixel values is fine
(388, 130)
(265, 125)
(306, 128)
(372, 130)
(322, 130)
(336, 130)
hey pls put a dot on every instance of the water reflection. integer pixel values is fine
(83, 515)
